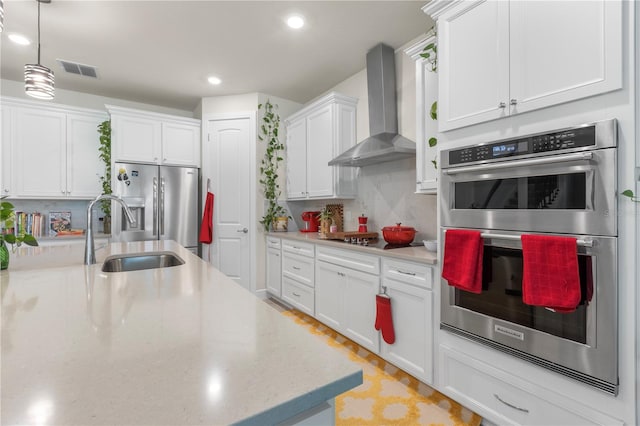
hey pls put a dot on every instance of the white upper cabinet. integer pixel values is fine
(315, 135)
(499, 58)
(426, 127)
(146, 137)
(50, 151)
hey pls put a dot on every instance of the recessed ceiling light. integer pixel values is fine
(214, 80)
(19, 39)
(295, 21)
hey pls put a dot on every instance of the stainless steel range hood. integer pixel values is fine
(384, 144)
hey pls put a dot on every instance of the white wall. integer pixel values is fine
(15, 89)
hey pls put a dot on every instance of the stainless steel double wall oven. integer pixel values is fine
(560, 182)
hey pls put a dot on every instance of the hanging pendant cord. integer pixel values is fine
(38, 32)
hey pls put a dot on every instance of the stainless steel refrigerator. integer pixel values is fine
(164, 200)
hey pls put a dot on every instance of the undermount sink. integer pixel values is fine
(140, 261)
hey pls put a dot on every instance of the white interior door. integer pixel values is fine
(230, 152)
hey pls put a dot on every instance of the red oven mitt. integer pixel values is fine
(384, 320)
(462, 264)
(550, 275)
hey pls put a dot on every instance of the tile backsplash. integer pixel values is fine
(386, 195)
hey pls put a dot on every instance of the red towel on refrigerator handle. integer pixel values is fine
(462, 264)
(550, 275)
(206, 228)
(384, 319)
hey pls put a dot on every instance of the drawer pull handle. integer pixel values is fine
(297, 248)
(524, 410)
(296, 268)
(277, 254)
(341, 274)
(413, 274)
(296, 294)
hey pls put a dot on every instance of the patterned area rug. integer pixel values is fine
(388, 395)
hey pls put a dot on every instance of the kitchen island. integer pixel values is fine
(176, 345)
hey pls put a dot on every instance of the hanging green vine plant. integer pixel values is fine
(629, 193)
(104, 152)
(430, 53)
(270, 164)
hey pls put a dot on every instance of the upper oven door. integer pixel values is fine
(570, 193)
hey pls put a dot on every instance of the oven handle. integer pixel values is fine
(581, 243)
(520, 163)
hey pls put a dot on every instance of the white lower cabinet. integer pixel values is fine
(298, 295)
(409, 286)
(346, 296)
(298, 278)
(274, 266)
(505, 399)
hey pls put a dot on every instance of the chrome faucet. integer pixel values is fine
(89, 245)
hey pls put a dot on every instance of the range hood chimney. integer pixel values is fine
(384, 144)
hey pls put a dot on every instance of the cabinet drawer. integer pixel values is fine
(350, 259)
(273, 243)
(299, 268)
(298, 295)
(408, 272)
(297, 247)
(502, 398)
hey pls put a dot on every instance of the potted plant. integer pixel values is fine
(104, 152)
(326, 219)
(7, 222)
(275, 217)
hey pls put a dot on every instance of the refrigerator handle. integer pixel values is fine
(155, 205)
(161, 206)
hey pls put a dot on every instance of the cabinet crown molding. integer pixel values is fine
(113, 109)
(320, 102)
(435, 8)
(416, 48)
(7, 101)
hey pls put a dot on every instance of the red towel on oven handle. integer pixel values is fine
(550, 275)
(206, 228)
(462, 264)
(384, 318)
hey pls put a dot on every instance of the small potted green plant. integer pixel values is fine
(326, 219)
(275, 217)
(104, 152)
(7, 222)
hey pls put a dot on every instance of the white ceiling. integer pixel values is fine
(161, 52)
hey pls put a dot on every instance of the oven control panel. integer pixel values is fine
(555, 141)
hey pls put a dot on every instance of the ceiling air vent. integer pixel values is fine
(79, 69)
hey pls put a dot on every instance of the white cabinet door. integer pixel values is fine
(38, 150)
(499, 58)
(274, 272)
(320, 142)
(180, 144)
(136, 139)
(360, 309)
(6, 177)
(330, 285)
(412, 313)
(84, 167)
(563, 50)
(297, 159)
(473, 57)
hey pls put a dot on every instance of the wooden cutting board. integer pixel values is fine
(343, 235)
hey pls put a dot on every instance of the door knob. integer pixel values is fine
(513, 102)
(244, 230)
(502, 105)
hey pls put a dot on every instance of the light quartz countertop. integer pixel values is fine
(179, 345)
(415, 254)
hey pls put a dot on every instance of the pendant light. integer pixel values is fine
(38, 79)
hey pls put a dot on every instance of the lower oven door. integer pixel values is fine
(581, 344)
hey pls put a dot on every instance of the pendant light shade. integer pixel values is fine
(1, 16)
(38, 79)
